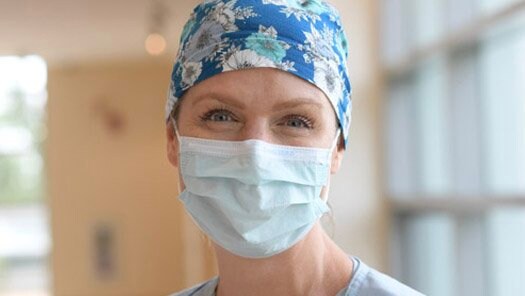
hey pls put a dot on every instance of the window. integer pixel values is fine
(455, 135)
(24, 233)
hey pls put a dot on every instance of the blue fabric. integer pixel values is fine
(302, 37)
(245, 206)
(365, 281)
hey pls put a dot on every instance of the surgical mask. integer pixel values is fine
(253, 198)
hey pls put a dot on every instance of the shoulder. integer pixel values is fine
(206, 288)
(368, 281)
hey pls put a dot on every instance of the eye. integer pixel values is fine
(298, 121)
(218, 115)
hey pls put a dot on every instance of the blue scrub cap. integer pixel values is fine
(302, 37)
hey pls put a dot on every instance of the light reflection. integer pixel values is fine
(28, 73)
(24, 235)
(15, 140)
(32, 74)
(155, 44)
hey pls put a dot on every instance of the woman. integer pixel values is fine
(258, 114)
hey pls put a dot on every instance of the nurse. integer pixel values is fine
(257, 116)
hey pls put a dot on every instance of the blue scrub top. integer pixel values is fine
(366, 281)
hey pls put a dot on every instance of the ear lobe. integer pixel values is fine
(172, 145)
(337, 159)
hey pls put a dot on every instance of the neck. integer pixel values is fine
(314, 266)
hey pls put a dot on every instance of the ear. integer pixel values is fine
(172, 147)
(337, 157)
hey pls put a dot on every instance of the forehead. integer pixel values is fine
(258, 87)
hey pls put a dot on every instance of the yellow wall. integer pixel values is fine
(99, 174)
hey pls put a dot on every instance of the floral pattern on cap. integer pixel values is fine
(302, 37)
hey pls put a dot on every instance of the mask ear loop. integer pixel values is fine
(336, 140)
(334, 144)
(174, 124)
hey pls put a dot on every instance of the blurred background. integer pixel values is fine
(432, 189)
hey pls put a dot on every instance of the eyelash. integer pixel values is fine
(208, 115)
(308, 123)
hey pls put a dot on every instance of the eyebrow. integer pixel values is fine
(220, 97)
(298, 102)
(295, 102)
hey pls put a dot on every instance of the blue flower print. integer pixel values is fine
(303, 37)
(266, 44)
(314, 6)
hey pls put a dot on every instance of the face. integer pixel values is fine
(261, 103)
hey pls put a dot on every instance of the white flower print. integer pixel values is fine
(275, 2)
(244, 13)
(287, 66)
(301, 13)
(227, 54)
(246, 59)
(319, 44)
(191, 72)
(326, 76)
(205, 43)
(224, 14)
(270, 31)
(328, 35)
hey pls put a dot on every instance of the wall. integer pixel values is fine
(360, 209)
(106, 159)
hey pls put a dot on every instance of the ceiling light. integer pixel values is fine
(155, 44)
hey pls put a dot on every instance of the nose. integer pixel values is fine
(256, 129)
